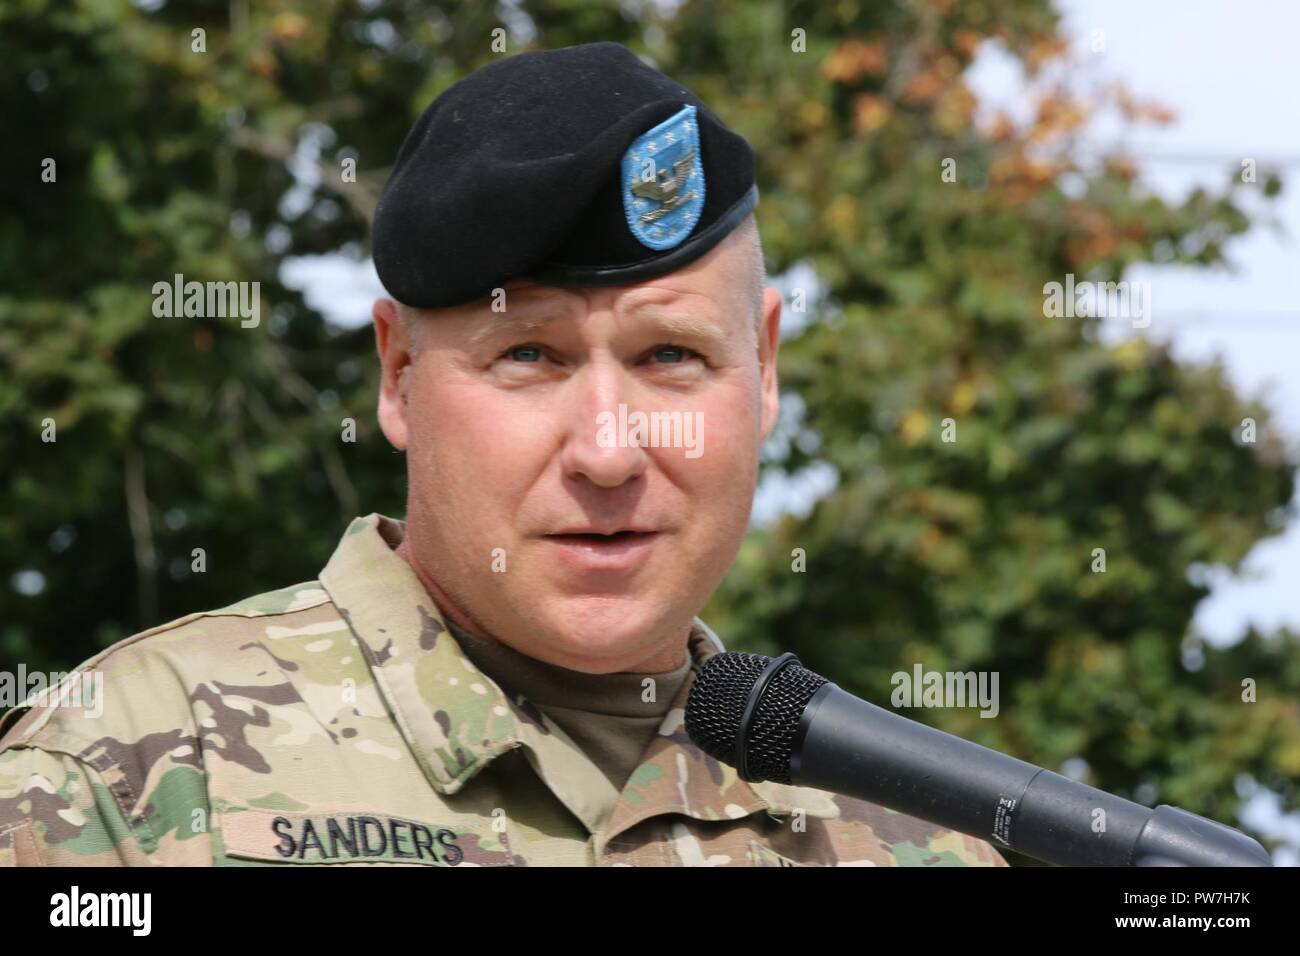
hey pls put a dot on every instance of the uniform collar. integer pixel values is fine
(457, 720)
(454, 718)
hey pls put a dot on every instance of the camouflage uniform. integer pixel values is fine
(338, 721)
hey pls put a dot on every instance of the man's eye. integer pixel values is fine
(674, 354)
(525, 353)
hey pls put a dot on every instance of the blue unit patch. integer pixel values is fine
(663, 182)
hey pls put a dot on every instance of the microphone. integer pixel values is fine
(773, 719)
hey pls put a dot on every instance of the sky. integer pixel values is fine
(1229, 70)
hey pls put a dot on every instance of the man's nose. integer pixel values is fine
(596, 447)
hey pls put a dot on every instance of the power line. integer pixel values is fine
(1244, 319)
(1194, 157)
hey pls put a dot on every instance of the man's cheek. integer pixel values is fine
(719, 455)
(502, 435)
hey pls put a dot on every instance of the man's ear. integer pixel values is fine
(395, 363)
(769, 343)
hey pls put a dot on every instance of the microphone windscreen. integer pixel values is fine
(716, 707)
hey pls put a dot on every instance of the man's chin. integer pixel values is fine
(602, 634)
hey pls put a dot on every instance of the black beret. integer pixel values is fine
(581, 166)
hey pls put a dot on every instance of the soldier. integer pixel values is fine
(501, 678)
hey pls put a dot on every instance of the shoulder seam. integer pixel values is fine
(228, 611)
(40, 714)
(197, 615)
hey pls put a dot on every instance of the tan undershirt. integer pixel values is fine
(603, 713)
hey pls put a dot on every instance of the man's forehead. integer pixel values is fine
(672, 308)
(683, 284)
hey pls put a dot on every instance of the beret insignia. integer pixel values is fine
(663, 182)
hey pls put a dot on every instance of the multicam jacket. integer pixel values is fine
(338, 722)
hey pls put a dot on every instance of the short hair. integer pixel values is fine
(755, 269)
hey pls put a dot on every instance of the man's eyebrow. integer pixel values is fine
(688, 325)
(668, 320)
(519, 322)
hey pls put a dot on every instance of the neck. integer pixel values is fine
(663, 660)
(446, 605)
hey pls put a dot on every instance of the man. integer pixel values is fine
(580, 365)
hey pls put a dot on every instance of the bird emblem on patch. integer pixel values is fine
(663, 181)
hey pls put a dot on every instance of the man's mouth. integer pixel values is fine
(621, 549)
(597, 537)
